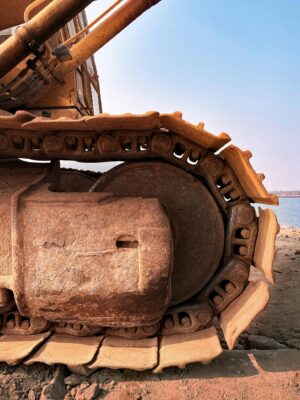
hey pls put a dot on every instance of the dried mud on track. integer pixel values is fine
(271, 374)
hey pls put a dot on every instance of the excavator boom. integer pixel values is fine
(27, 45)
(35, 32)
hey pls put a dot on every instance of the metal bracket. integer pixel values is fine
(62, 53)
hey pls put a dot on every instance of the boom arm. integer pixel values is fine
(35, 32)
(41, 27)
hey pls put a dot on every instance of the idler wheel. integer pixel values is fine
(197, 223)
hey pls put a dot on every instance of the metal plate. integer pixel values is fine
(197, 224)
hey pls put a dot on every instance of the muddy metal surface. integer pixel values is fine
(243, 374)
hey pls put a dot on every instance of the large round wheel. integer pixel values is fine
(197, 224)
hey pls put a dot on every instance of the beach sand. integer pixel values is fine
(281, 319)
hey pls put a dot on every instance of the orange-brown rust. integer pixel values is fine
(125, 255)
(35, 32)
(12, 13)
(41, 68)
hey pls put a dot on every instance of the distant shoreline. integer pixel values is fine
(289, 195)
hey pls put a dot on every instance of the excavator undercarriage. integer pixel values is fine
(148, 253)
(143, 266)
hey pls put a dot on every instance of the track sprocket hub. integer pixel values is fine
(197, 224)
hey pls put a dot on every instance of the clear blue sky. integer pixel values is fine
(234, 64)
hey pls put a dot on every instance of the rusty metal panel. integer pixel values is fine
(78, 269)
(14, 175)
(85, 248)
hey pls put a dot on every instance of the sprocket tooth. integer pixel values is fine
(13, 349)
(68, 350)
(250, 181)
(116, 353)
(239, 314)
(178, 114)
(103, 122)
(179, 350)
(261, 176)
(264, 253)
(194, 133)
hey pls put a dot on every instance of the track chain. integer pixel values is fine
(150, 137)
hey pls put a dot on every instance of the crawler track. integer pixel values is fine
(186, 333)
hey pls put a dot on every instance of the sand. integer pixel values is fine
(281, 320)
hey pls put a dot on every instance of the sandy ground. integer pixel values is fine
(281, 320)
(236, 375)
(243, 374)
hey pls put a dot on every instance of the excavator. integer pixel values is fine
(145, 266)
